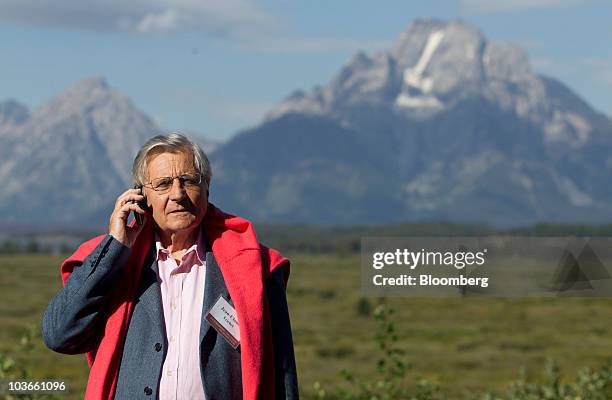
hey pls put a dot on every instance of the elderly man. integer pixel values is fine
(182, 303)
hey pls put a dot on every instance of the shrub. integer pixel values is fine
(390, 370)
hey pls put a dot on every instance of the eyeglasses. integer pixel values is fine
(164, 183)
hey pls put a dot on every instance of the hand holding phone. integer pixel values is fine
(132, 200)
(142, 204)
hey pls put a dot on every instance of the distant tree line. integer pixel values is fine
(32, 246)
(347, 239)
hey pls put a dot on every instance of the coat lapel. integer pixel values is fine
(150, 296)
(214, 287)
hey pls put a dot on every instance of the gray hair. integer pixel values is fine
(172, 142)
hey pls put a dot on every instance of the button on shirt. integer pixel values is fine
(182, 293)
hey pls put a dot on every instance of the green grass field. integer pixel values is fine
(465, 345)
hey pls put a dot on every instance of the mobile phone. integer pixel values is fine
(143, 204)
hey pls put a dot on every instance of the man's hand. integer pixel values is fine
(117, 226)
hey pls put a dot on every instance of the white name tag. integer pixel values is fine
(222, 316)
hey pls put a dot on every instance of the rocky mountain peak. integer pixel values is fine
(88, 114)
(452, 58)
(433, 65)
(437, 61)
(462, 40)
(90, 84)
(88, 94)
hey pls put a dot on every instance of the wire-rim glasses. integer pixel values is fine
(164, 184)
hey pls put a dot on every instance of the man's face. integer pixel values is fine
(183, 207)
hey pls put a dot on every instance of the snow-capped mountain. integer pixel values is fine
(435, 65)
(445, 125)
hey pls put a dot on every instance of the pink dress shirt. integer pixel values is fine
(182, 293)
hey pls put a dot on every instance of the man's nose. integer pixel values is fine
(177, 191)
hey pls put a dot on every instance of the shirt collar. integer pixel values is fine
(198, 247)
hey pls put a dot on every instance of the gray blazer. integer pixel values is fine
(74, 320)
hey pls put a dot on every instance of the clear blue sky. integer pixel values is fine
(217, 66)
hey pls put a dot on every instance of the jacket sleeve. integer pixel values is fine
(284, 357)
(73, 322)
